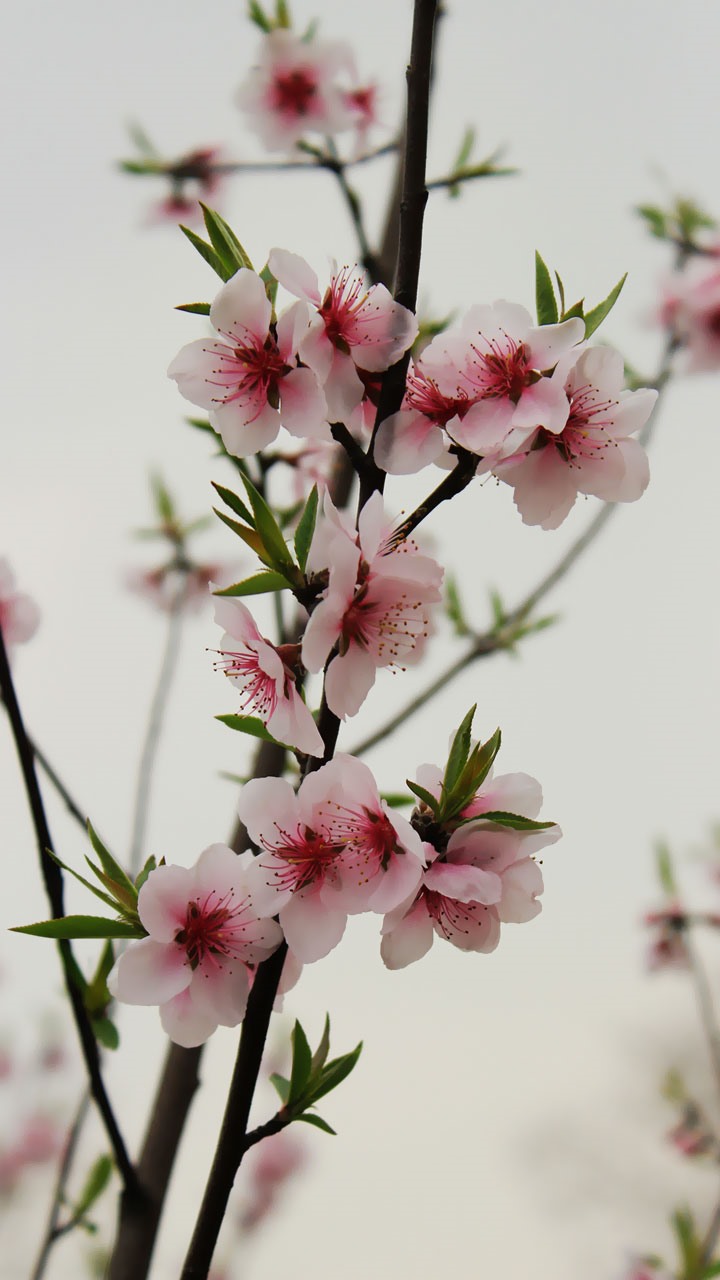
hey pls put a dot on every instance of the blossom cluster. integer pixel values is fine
(331, 849)
(542, 410)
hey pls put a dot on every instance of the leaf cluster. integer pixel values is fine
(311, 1077)
(259, 529)
(225, 254)
(680, 224)
(468, 765)
(550, 300)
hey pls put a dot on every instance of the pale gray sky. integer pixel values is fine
(503, 1119)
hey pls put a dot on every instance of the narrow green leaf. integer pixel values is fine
(207, 252)
(665, 870)
(307, 1117)
(513, 820)
(251, 725)
(561, 292)
(104, 897)
(267, 527)
(97, 997)
(547, 311)
(306, 528)
(595, 317)
(454, 608)
(142, 141)
(106, 1033)
(258, 584)
(195, 308)
(143, 874)
(319, 1057)
(335, 1072)
(164, 505)
(396, 799)
(271, 285)
(124, 900)
(427, 798)
(301, 1063)
(249, 536)
(710, 1272)
(282, 1087)
(224, 241)
(282, 14)
(95, 1183)
(576, 310)
(110, 866)
(459, 752)
(81, 927)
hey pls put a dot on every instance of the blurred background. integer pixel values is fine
(505, 1117)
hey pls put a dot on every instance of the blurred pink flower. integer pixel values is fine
(270, 1165)
(691, 311)
(293, 90)
(19, 614)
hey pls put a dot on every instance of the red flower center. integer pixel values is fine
(293, 92)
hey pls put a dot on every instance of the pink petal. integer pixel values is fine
(311, 928)
(408, 939)
(522, 882)
(163, 899)
(292, 723)
(303, 408)
(242, 307)
(185, 1022)
(348, 681)
(464, 883)
(406, 442)
(295, 275)
(150, 972)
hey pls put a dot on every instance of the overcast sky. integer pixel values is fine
(504, 1119)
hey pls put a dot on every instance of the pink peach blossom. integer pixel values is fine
(203, 931)
(261, 672)
(19, 614)
(354, 328)
(270, 1165)
(486, 876)
(377, 605)
(691, 310)
(249, 380)
(293, 90)
(593, 452)
(329, 850)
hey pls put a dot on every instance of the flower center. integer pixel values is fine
(259, 688)
(586, 433)
(293, 93)
(211, 929)
(424, 395)
(453, 917)
(501, 371)
(307, 857)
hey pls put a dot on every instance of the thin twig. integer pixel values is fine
(156, 715)
(452, 484)
(53, 1231)
(52, 877)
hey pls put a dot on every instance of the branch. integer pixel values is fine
(53, 1230)
(52, 877)
(412, 211)
(453, 484)
(153, 729)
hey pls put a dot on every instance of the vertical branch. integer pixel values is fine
(52, 877)
(412, 212)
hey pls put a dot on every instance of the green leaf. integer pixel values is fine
(106, 1033)
(466, 146)
(307, 1117)
(306, 528)
(256, 15)
(249, 536)
(427, 798)
(143, 874)
(251, 725)
(319, 1057)
(81, 927)
(104, 897)
(665, 870)
(271, 285)
(95, 1183)
(513, 820)
(547, 312)
(195, 308)
(335, 1072)
(268, 528)
(224, 241)
(709, 1272)
(282, 1086)
(282, 14)
(164, 505)
(561, 292)
(301, 1063)
(459, 752)
(97, 997)
(258, 584)
(396, 799)
(122, 898)
(595, 317)
(454, 608)
(142, 141)
(110, 866)
(207, 252)
(576, 310)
